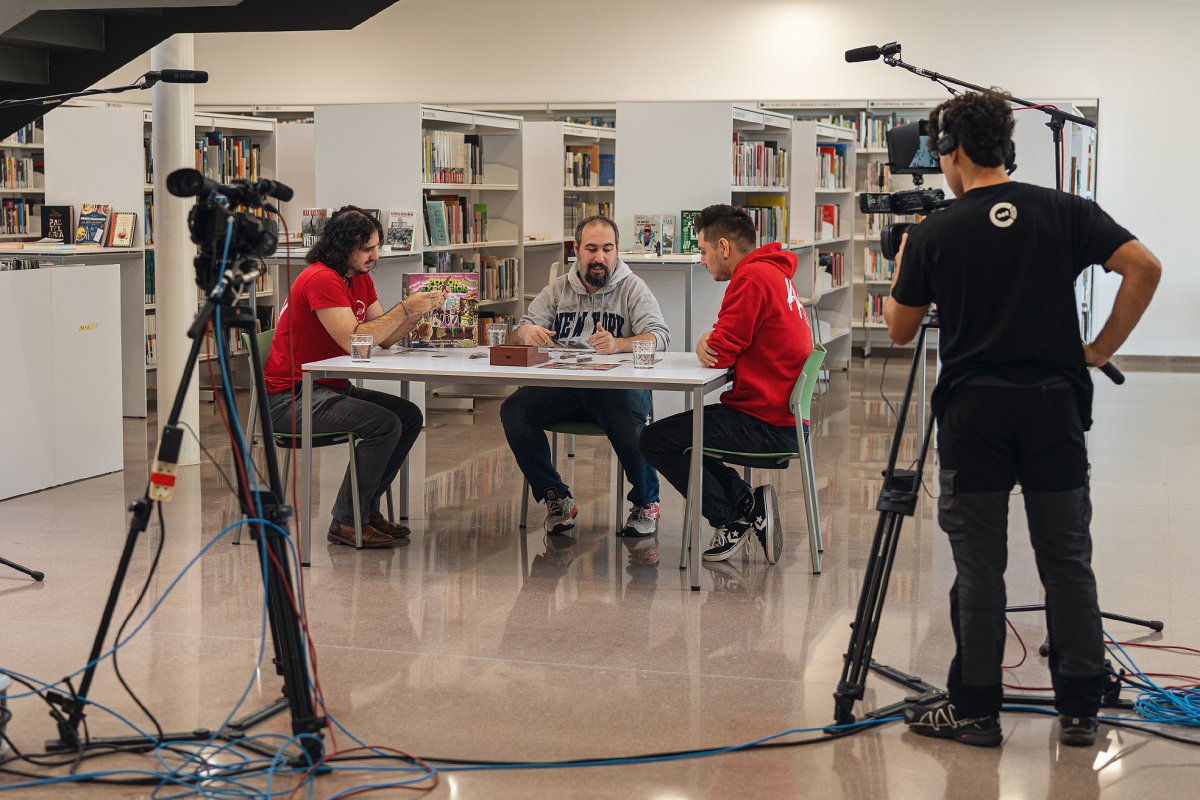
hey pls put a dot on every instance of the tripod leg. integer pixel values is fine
(33, 573)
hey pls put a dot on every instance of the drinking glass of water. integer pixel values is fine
(643, 354)
(496, 334)
(360, 346)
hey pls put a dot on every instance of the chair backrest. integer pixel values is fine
(553, 276)
(806, 383)
(264, 343)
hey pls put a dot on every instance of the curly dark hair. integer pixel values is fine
(982, 122)
(348, 229)
(727, 222)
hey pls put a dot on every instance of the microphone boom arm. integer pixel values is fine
(937, 77)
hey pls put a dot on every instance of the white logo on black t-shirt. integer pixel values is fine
(1003, 214)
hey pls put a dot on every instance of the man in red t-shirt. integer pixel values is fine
(762, 332)
(331, 299)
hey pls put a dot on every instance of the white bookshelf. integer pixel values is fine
(549, 234)
(834, 309)
(371, 155)
(30, 189)
(77, 172)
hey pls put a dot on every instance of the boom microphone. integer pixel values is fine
(872, 52)
(177, 76)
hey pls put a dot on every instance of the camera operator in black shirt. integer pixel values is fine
(1012, 403)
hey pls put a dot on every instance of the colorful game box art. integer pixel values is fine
(455, 323)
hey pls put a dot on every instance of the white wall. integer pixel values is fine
(1134, 57)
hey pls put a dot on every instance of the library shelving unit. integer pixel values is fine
(823, 224)
(675, 157)
(100, 154)
(378, 156)
(864, 123)
(22, 184)
(561, 187)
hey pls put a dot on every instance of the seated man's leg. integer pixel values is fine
(409, 417)
(622, 413)
(525, 415)
(379, 432)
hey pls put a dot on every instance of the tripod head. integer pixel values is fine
(229, 225)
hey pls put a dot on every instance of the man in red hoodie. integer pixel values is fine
(762, 332)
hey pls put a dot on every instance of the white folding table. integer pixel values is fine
(679, 372)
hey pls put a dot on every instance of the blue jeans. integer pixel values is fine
(622, 413)
(387, 427)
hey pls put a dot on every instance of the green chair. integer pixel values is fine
(800, 406)
(290, 442)
(573, 429)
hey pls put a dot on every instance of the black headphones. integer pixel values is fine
(947, 143)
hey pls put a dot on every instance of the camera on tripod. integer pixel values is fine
(909, 153)
(224, 226)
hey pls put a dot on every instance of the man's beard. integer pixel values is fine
(597, 281)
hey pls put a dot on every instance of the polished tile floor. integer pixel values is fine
(480, 640)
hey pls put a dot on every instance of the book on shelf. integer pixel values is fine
(582, 165)
(15, 218)
(769, 212)
(451, 157)
(444, 262)
(667, 232)
(151, 292)
(23, 135)
(92, 227)
(401, 230)
(148, 218)
(608, 169)
(647, 233)
(58, 224)
(827, 221)
(454, 323)
(831, 270)
(453, 219)
(833, 166)
(312, 224)
(577, 207)
(121, 231)
(436, 223)
(499, 278)
(758, 163)
(689, 240)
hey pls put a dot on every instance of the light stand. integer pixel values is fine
(212, 216)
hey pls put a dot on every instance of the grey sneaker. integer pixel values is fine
(560, 512)
(728, 541)
(642, 521)
(765, 519)
(1077, 731)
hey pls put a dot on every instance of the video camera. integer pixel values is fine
(909, 153)
(223, 225)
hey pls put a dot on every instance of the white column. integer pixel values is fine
(172, 147)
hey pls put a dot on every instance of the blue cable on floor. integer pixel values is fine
(1162, 705)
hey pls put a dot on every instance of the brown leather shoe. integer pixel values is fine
(393, 529)
(341, 533)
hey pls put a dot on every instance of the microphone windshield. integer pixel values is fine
(869, 53)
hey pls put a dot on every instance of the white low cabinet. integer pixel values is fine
(60, 408)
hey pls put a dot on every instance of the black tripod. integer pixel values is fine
(236, 236)
(897, 500)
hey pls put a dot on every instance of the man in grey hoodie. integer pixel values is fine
(602, 304)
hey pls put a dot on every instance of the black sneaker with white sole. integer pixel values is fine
(727, 541)
(940, 720)
(764, 516)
